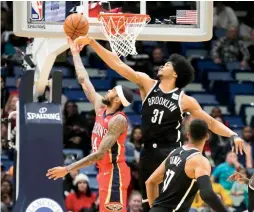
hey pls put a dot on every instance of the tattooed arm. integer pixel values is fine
(117, 126)
(83, 77)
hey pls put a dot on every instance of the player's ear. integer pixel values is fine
(174, 74)
(188, 136)
(117, 99)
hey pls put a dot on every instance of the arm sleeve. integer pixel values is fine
(207, 194)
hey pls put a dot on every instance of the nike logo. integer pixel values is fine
(156, 90)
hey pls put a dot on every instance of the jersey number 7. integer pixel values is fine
(169, 175)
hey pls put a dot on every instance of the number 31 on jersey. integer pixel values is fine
(157, 116)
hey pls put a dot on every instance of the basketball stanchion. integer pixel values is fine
(39, 146)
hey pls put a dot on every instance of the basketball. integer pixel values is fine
(76, 25)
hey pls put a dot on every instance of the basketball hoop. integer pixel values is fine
(122, 30)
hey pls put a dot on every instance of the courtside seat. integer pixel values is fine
(205, 98)
(241, 100)
(196, 53)
(135, 119)
(70, 83)
(17, 70)
(76, 152)
(244, 76)
(101, 84)
(194, 87)
(234, 121)
(128, 110)
(93, 183)
(65, 70)
(10, 82)
(208, 109)
(235, 65)
(252, 122)
(249, 112)
(113, 74)
(222, 76)
(208, 64)
(97, 73)
(126, 83)
(75, 94)
(85, 106)
(244, 88)
(89, 170)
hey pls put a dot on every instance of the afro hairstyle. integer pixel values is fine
(183, 68)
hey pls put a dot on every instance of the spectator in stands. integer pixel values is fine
(68, 182)
(224, 170)
(198, 203)
(4, 93)
(134, 184)
(247, 158)
(239, 194)
(90, 120)
(135, 202)
(4, 142)
(10, 106)
(6, 200)
(158, 59)
(6, 187)
(82, 197)
(251, 50)
(230, 48)
(224, 16)
(76, 135)
(16, 92)
(136, 140)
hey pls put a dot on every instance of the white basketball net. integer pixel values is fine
(122, 31)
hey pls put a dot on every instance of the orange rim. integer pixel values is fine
(116, 16)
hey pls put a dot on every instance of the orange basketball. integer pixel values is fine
(76, 25)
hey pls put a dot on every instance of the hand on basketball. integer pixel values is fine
(57, 172)
(82, 40)
(75, 48)
(238, 145)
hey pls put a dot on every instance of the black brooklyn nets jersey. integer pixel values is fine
(162, 117)
(178, 190)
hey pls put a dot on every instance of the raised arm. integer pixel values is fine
(115, 63)
(83, 77)
(189, 104)
(117, 126)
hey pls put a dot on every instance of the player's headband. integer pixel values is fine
(119, 90)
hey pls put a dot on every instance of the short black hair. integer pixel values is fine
(198, 130)
(128, 94)
(183, 68)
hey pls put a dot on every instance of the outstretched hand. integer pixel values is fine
(238, 145)
(57, 172)
(82, 40)
(75, 48)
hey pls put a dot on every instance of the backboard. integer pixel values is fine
(170, 20)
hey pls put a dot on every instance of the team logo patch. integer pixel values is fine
(36, 11)
(175, 96)
(114, 206)
(44, 205)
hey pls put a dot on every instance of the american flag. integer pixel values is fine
(186, 17)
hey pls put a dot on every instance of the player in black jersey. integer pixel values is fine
(163, 106)
(183, 173)
(250, 182)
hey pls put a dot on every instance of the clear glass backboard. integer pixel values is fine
(170, 20)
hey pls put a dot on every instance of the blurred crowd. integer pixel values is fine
(78, 125)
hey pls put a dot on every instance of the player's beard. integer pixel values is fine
(106, 102)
